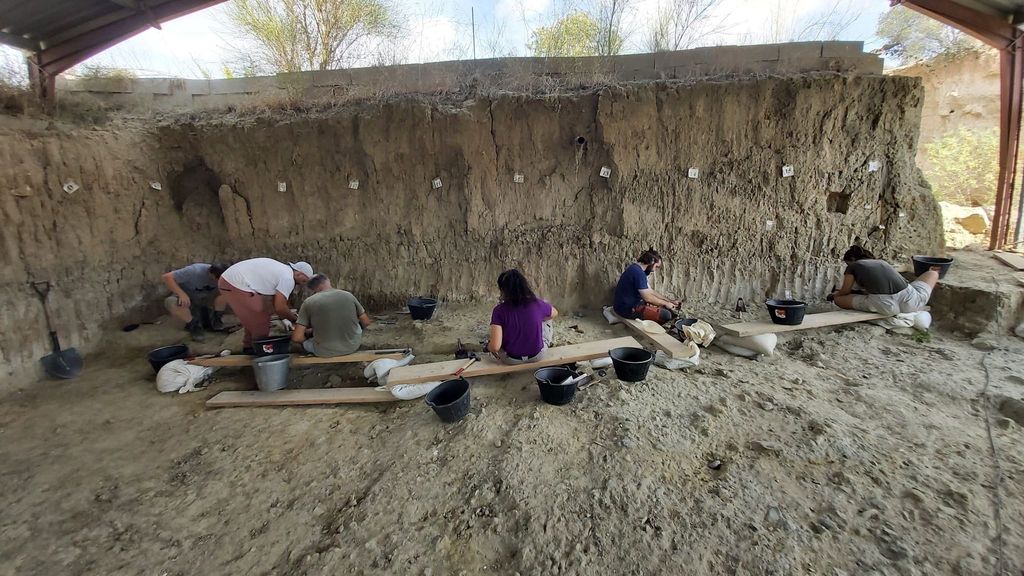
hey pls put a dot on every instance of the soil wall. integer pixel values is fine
(738, 229)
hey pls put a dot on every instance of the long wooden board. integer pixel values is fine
(1015, 261)
(664, 342)
(241, 360)
(487, 366)
(299, 397)
(810, 321)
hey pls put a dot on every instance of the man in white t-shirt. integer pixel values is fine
(256, 288)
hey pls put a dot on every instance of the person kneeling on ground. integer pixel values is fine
(636, 300)
(521, 329)
(331, 321)
(258, 287)
(194, 297)
(873, 285)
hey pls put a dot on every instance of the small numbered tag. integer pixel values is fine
(874, 166)
(518, 178)
(787, 171)
(156, 185)
(769, 224)
(70, 187)
(435, 183)
(353, 184)
(605, 171)
(693, 173)
(282, 186)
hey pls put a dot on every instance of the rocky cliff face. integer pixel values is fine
(739, 229)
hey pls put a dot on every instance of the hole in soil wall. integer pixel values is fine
(838, 202)
(195, 179)
(580, 140)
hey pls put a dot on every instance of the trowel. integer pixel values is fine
(64, 364)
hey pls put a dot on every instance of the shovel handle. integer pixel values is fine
(42, 287)
(55, 342)
(459, 372)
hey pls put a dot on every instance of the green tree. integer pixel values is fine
(295, 35)
(909, 36)
(575, 34)
(962, 166)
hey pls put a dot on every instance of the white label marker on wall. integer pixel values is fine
(518, 178)
(787, 171)
(282, 186)
(70, 187)
(435, 183)
(353, 184)
(769, 224)
(605, 172)
(874, 166)
(693, 173)
(156, 185)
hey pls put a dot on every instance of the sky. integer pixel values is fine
(201, 44)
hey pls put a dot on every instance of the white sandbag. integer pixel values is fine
(760, 344)
(180, 376)
(410, 391)
(611, 316)
(737, 350)
(378, 370)
(700, 332)
(598, 363)
(923, 320)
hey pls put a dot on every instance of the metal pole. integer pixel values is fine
(472, 15)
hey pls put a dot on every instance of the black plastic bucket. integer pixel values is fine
(421, 308)
(450, 400)
(684, 322)
(923, 264)
(631, 364)
(786, 312)
(160, 356)
(550, 381)
(271, 345)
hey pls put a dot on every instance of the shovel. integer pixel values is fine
(61, 363)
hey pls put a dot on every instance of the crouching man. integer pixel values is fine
(194, 297)
(331, 321)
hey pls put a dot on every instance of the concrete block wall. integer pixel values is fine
(768, 59)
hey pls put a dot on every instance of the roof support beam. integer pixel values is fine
(18, 41)
(1002, 35)
(58, 58)
(991, 30)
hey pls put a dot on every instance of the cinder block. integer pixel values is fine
(670, 60)
(759, 52)
(332, 78)
(633, 62)
(152, 85)
(842, 49)
(253, 85)
(109, 85)
(794, 50)
(197, 87)
(293, 80)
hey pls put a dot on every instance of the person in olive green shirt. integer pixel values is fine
(331, 321)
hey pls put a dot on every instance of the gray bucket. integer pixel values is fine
(271, 371)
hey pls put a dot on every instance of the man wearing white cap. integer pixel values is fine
(256, 288)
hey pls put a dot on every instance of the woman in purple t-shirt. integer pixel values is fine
(520, 323)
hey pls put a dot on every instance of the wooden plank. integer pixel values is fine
(811, 321)
(1015, 261)
(487, 366)
(299, 397)
(242, 360)
(664, 342)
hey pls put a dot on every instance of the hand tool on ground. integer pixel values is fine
(60, 363)
(464, 366)
(461, 351)
(391, 351)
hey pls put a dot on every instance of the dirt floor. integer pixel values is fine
(850, 451)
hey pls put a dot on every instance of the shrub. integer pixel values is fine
(963, 166)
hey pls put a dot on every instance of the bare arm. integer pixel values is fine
(495, 339)
(553, 315)
(282, 309)
(299, 334)
(847, 287)
(183, 300)
(652, 297)
(365, 320)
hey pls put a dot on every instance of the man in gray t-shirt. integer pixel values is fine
(876, 277)
(331, 321)
(194, 297)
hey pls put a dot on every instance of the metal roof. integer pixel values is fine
(62, 33)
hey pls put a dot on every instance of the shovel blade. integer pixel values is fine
(65, 364)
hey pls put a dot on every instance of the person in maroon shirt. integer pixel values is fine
(521, 322)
